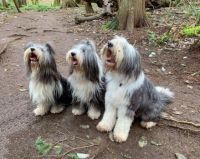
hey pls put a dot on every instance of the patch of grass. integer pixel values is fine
(113, 24)
(156, 39)
(190, 31)
(39, 7)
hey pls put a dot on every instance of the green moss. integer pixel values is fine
(39, 7)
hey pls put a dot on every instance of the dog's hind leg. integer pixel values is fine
(57, 109)
(148, 124)
(93, 112)
(41, 109)
(79, 109)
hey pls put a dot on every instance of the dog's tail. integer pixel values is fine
(166, 96)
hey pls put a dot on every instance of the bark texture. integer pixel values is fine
(131, 14)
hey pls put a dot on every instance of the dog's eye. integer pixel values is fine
(83, 50)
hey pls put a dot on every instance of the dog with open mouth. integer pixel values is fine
(47, 88)
(87, 79)
(129, 93)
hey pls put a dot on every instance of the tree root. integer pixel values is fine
(79, 20)
(5, 46)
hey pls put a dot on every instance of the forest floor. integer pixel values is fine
(171, 66)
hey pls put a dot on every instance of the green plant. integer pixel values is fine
(190, 31)
(156, 39)
(42, 146)
(113, 24)
(39, 7)
(152, 37)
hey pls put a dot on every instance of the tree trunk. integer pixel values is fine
(88, 7)
(17, 6)
(56, 2)
(131, 14)
(68, 4)
(21, 2)
(34, 2)
(5, 5)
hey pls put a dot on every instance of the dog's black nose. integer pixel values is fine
(110, 45)
(73, 54)
(32, 49)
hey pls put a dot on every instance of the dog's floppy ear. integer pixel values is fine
(50, 48)
(28, 45)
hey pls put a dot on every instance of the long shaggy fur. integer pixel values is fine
(86, 78)
(129, 92)
(47, 88)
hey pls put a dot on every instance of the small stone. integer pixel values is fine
(146, 70)
(183, 65)
(163, 69)
(152, 54)
(85, 126)
(185, 57)
(180, 156)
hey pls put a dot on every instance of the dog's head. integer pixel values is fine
(84, 59)
(39, 58)
(119, 55)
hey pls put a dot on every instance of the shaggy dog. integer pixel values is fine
(47, 88)
(87, 79)
(129, 92)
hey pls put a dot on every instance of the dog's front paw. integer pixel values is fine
(56, 109)
(120, 136)
(94, 114)
(77, 111)
(103, 127)
(39, 111)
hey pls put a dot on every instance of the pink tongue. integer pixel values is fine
(75, 62)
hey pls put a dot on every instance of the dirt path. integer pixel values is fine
(19, 128)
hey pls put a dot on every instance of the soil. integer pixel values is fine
(20, 128)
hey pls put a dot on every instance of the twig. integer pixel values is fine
(100, 41)
(3, 50)
(181, 128)
(77, 148)
(170, 118)
(50, 30)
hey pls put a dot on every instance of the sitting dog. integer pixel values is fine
(129, 93)
(47, 88)
(87, 79)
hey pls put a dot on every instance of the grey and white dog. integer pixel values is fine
(129, 92)
(47, 88)
(86, 79)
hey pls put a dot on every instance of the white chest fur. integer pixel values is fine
(43, 93)
(119, 87)
(82, 88)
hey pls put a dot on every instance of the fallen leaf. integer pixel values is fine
(142, 142)
(22, 89)
(155, 143)
(189, 86)
(82, 155)
(180, 156)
